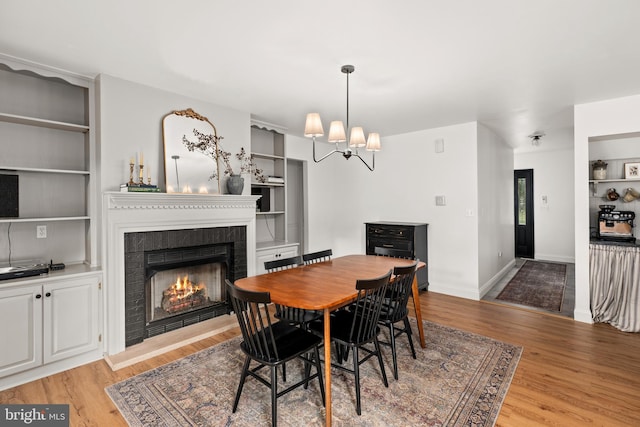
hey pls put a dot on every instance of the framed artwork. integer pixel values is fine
(632, 170)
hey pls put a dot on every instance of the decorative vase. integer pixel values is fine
(235, 184)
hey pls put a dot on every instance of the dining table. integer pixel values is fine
(327, 286)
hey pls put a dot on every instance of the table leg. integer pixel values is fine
(327, 365)
(416, 304)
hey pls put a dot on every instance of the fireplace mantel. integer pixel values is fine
(138, 212)
(118, 200)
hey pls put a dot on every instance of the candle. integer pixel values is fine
(141, 158)
(132, 161)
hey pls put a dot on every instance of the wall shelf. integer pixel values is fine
(42, 170)
(45, 219)
(49, 124)
(267, 184)
(270, 213)
(595, 182)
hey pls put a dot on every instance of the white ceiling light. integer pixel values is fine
(337, 134)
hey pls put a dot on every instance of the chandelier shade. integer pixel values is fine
(357, 138)
(313, 126)
(373, 142)
(336, 132)
(337, 135)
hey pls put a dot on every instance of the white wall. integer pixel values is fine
(343, 195)
(130, 117)
(597, 119)
(553, 173)
(495, 208)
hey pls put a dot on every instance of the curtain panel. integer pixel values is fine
(614, 273)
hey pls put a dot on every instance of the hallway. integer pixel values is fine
(568, 302)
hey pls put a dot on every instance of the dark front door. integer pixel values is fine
(523, 197)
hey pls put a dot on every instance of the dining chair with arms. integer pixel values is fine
(394, 310)
(271, 344)
(314, 257)
(355, 329)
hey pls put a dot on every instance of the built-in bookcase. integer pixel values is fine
(47, 141)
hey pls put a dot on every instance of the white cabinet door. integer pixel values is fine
(20, 329)
(72, 313)
(270, 254)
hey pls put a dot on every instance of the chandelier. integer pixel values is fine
(337, 134)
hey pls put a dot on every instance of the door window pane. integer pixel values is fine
(522, 201)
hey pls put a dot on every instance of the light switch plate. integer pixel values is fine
(440, 201)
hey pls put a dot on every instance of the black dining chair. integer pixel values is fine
(283, 263)
(394, 309)
(295, 316)
(355, 329)
(271, 344)
(392, 252)
(314, 257)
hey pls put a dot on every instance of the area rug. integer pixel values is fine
(537, 284)
(459, 379)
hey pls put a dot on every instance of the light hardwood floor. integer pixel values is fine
(570, 373)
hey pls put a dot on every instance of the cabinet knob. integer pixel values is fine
(38, 296)
(48, 294)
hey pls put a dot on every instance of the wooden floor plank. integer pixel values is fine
(570, 373)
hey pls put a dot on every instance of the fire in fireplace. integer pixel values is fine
(183, 295)
(183, 289)
(184, 286)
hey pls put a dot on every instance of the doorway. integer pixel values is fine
(296, 203)
(523, 208)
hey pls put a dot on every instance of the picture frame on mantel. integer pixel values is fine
(191, 153)
(632, 170)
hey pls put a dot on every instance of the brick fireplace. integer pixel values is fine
(153, 258)
(219, 228)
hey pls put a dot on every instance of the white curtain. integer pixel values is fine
(615, 285)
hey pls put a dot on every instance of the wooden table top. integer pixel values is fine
(325, 285)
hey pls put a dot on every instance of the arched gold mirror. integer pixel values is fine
(190, 153)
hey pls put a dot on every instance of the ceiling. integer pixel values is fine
(516, 66)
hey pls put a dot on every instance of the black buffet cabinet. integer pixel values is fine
(401, 239)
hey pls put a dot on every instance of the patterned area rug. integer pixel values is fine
(460, 379)
(537, 284)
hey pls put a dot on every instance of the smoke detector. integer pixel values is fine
(535, 138)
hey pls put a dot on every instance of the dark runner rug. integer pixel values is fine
(460, 379)
(537, 284)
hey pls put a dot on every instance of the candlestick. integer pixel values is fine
(148, 175)
(131, 165)
(141, 174)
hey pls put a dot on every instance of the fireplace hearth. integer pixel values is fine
(175, 278)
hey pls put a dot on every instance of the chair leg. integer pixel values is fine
(407, 327)
(316, 353)
(356, 372)
(274, 396)
(284, 372)
(243, 377)
(392, 340)
(379, 353)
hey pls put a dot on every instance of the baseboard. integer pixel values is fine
(582, 316)
(555, 258)
(484, 289)
(453, 291)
